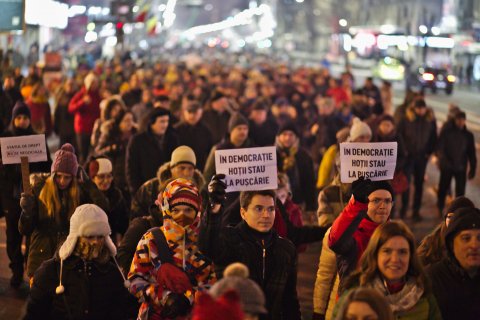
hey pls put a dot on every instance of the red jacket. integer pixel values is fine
(350, 235)
(41, 118)
(85, 114)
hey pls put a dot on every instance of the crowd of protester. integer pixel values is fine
(130, 219)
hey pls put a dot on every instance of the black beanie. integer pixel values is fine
(236, 119)
(458, 203)
(155, 113)
(464, 219)
(288, 126)
(21, 108)
(381, 185)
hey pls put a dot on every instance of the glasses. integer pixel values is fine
(261, 209)
(378, 201)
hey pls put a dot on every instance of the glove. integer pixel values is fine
(361, 189)
(176, 305)
(318, 316)
(27, 202)
(173, 278)
(471, 174)
(216, 189)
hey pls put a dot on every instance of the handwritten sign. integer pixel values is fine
(375, 161)
(14, 148)
(248, 169)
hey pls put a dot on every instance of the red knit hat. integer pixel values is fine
(65, 160)
(226, 307)
(180, 192)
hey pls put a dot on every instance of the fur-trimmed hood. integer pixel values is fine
(412, 116)
(164, 173)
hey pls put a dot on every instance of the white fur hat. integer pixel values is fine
(358, 129)
(87, 220)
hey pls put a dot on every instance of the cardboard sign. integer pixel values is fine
(375, 161)
(248, 169)
(14, 148)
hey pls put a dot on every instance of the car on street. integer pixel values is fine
(432, 78)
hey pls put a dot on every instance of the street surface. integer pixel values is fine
(12, 302)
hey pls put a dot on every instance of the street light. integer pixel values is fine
(423, 29)
(343, 22)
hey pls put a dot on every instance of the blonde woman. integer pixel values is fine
(46, 213)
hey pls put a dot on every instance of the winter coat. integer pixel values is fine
(118, 212)
(183, 244)
(197, 137)
(401, 151)
(272, 264)
(136, 229)
(92, 291)
(301, 175)
(146, 195)
(263, 135)
(85, 114)
(418, 133)
(63, 120)
(350, 235)
(217, 123)
(328, 126)
(456, 149)
(327, 281)
(145, 154)
(457, 294)
(114, 147)
(332, 201)
(46, 233)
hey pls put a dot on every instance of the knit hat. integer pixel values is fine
(21, 108)
(87, 220)
(235, 277)
(381, 185)
(183, 154)
(236, 120)
(179, 192)
(458, 203)
(99, 166)
(225, 307)
(155, 113)
(358, 129)
(464, 219)
(65, 160)
(89, 79)
(288, 126)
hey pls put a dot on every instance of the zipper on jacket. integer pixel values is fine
(263, 260)
(184, 236)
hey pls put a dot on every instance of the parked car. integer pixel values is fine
(433, 79)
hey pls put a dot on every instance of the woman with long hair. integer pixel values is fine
(46, 213)
(390, 266)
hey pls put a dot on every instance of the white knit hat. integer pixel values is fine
(358, 129)
(87, 220)
(183, 154)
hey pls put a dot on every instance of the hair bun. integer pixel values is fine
(236, 269)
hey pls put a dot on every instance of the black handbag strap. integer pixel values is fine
(162, 246)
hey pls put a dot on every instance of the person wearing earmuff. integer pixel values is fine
(82, 280)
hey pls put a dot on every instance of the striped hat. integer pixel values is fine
(179, 192)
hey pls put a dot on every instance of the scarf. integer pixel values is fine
(403, 300)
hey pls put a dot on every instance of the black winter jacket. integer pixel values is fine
(92, 291)
(456, 148)
(272, 265)
(145, 154)
(458, 295)
(197, 137)
(418, 133)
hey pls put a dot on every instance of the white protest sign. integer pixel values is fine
(248, 168)
(375, 161)
(14, 148)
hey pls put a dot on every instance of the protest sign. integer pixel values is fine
(33, 147)
(248, 168)
(24, 149)
(375, 161)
